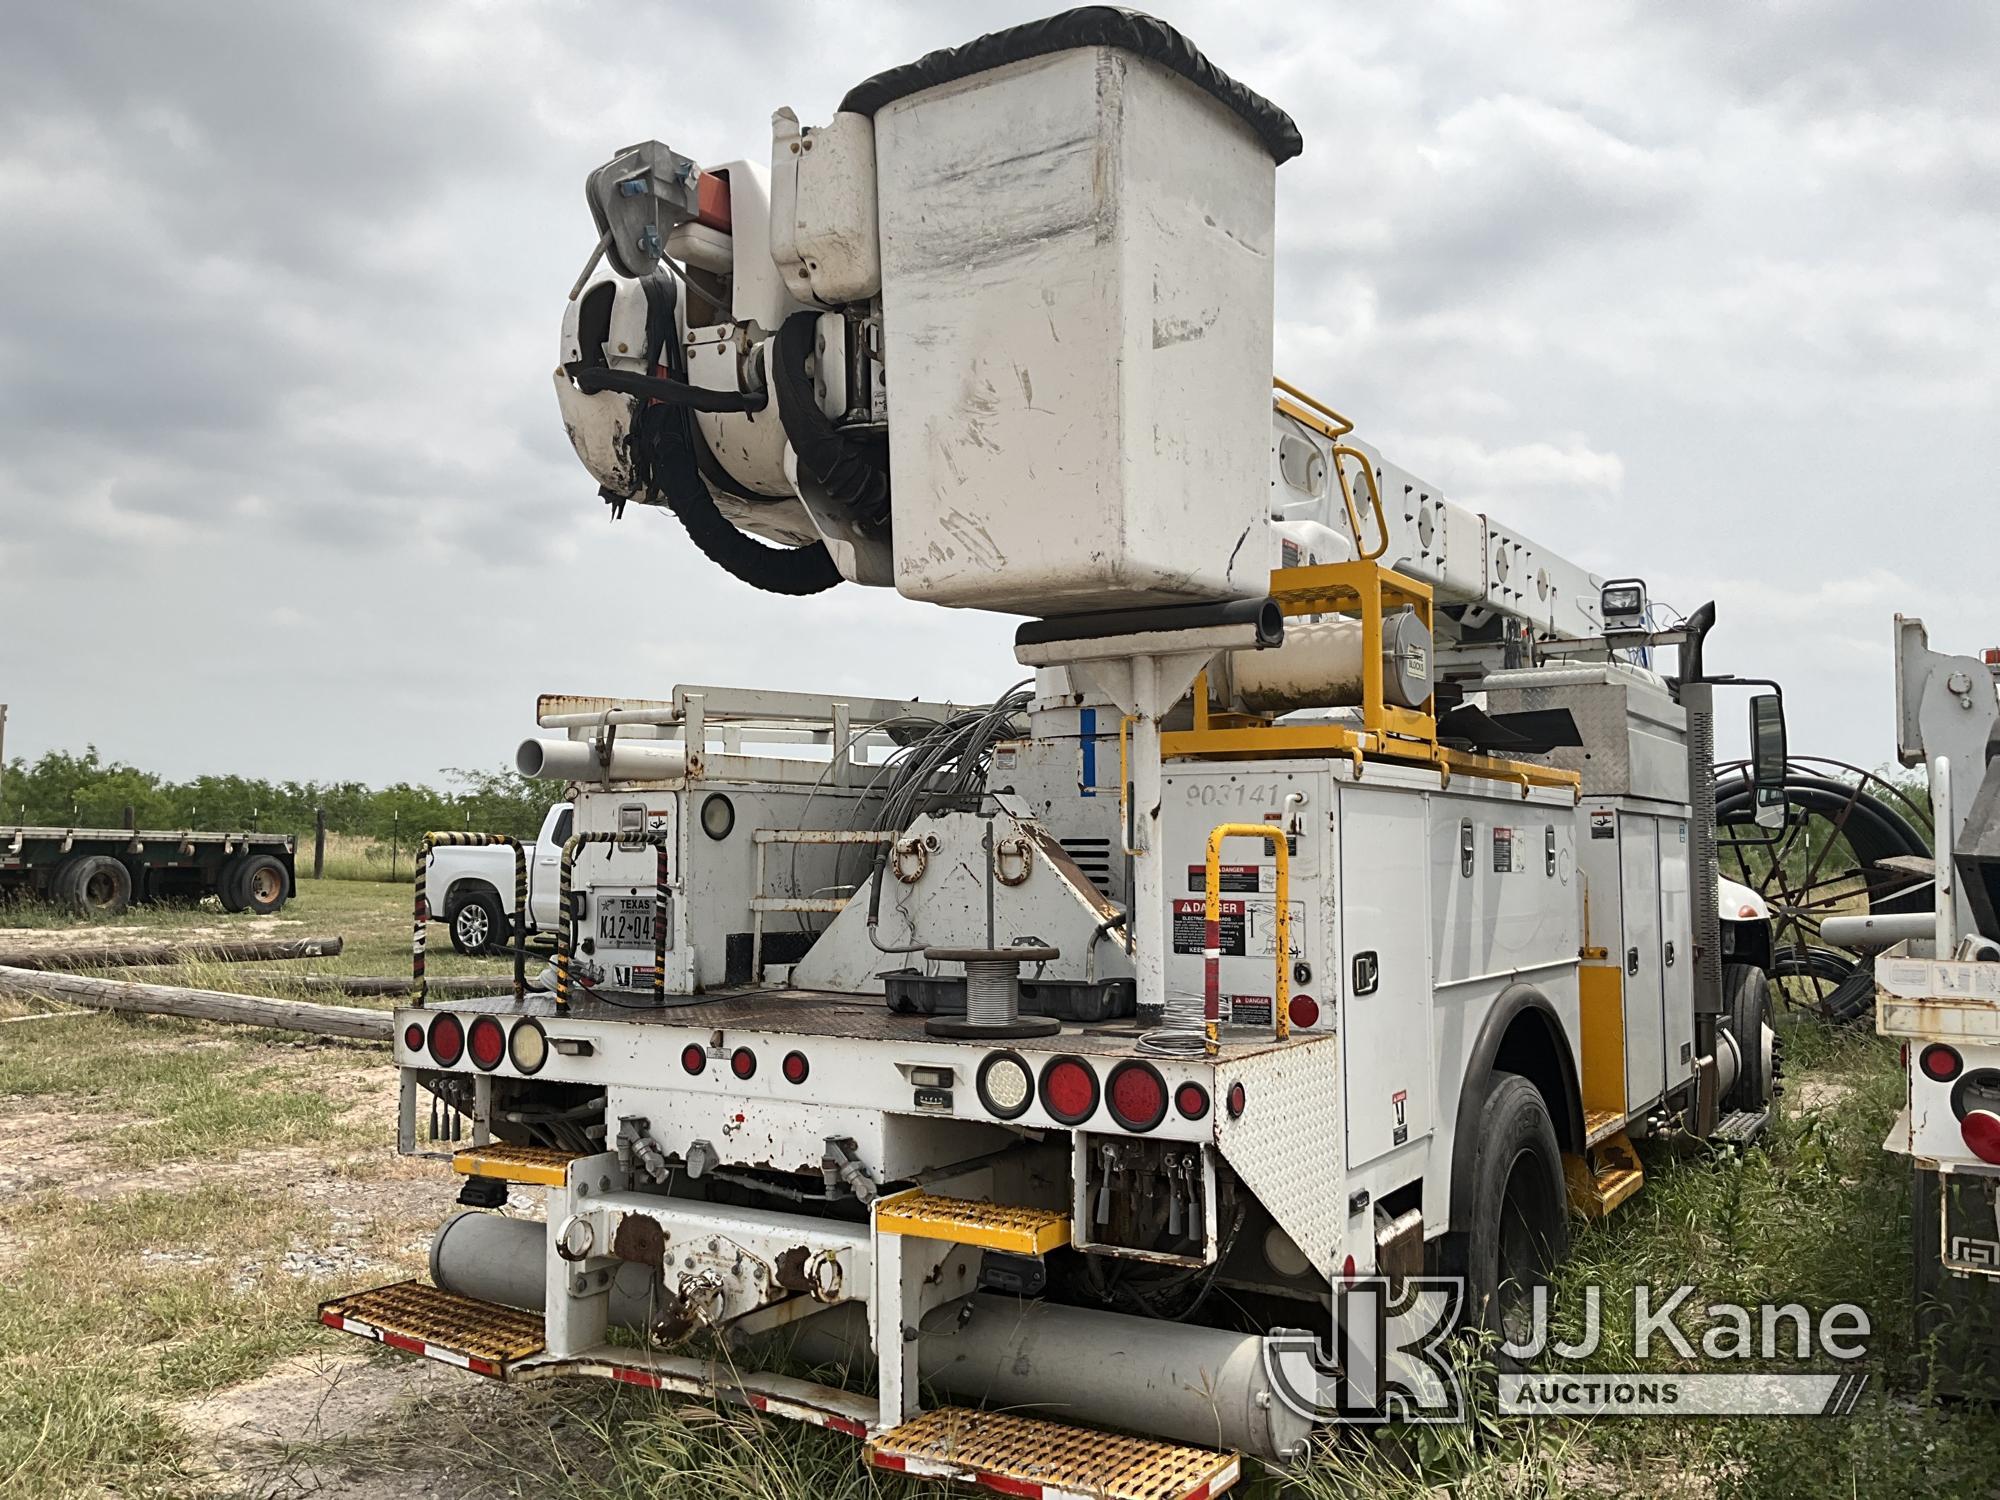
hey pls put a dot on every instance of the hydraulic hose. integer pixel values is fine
(843, 470)
(594, 378)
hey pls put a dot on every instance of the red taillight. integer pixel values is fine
(693, 1059)
(487, 1042)
(795, 1067)
(413, 1037)
(1235, 1100)
(743, 1062)
(1069, 1090)
(1191, 1099)
(1940, 1064)
(1304, 1011)
(447, 1040)
(1981, 1129)
(1137, 1095)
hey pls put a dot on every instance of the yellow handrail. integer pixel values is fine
(1341, 451)
(1273, 834)
(1322, 418)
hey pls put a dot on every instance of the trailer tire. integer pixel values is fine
(1519, 1229)
(229, 884)
(263, 885)
(1746, 997)
(97, 886)
(475, 921)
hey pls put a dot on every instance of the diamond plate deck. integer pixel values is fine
(418, 1318)
(535, 1164)
(1049, 1460)
(992, 1226)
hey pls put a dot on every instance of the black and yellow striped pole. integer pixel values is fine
(454, 839)
(662, 915)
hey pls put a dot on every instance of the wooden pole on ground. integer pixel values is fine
(132, 955)
(202, 1005)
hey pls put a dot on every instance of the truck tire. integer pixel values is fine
(1746, 999)
(1519, 1230)
(262, 885)
(476, 922)
(97, 886)
(229, 884)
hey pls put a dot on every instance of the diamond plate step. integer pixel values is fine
(1742, 1126)
(532, 1164)
(418, 1318)
(992, 1226)
(1045, 1460)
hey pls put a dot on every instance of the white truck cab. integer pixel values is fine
(471, 886)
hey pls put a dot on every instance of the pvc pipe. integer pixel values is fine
(576, 760)
(1874, 933)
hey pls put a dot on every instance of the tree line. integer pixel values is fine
(87, 791)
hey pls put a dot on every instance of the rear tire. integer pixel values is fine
(263, 886)
(1746, 998)
(1519, 1230)
(476, 923)
(97, 886)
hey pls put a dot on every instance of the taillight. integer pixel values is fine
(693, 1059)
(413, 1038)
(743, 1062)
(1004, 1084)
(447, 1040)
(1191, 1099)
(1069, 1090)
(487, 1042)
(1981, 1129)
(1235, 1100)
(1304, 1011)
(1137, 1095)
(1939, 1063)
(795, 1067)
(528, 1045)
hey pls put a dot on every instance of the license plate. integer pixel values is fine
(625, 921)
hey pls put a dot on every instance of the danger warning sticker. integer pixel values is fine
(1250, 1010)
(1603, 823)
(1190, 922)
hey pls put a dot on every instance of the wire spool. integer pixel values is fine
(992, 994)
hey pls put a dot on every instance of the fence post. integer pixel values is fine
(319, 842)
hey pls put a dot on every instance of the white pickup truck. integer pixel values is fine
(471, 887)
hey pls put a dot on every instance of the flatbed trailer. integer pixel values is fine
(98, 872)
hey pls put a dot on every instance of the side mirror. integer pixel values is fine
(1768, 755)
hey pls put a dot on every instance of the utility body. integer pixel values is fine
(1335, 899)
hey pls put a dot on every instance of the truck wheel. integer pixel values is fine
(97, 886)
(229, 884)
(1520, 1228)
(476, 922)
(263, 885)
(1746, 998)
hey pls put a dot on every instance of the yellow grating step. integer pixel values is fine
(1599, 1123)
(1612, 1175)
(1045, 1460)
(992, 1226)
(418, 1318)
(536, 1164)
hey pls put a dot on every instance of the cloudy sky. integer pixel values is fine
(1707, 293)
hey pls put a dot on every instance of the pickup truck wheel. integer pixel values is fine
(477, 924)
(98, 886)
(263, 885)
(1519, 1229)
